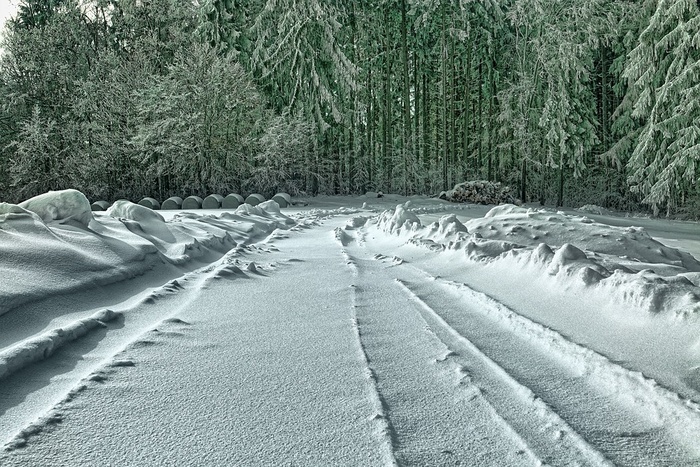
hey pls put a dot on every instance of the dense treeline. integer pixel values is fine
(570, 102)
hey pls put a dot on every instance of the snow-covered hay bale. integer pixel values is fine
(150, 203)
(192, 202)
(254, 199)
(270, 206)
(213, 202)
(479, 192)
(283, 199)
(61, 206)
(232, 201)
(174, 202)
(100, 205)
(125, 209)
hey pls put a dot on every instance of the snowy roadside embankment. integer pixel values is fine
(574, 251)
(54, 244)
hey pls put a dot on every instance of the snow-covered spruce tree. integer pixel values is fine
(43, 59)
(549, 104)
(303, 70)
(141, 40)
(222, 24)
(619, 131)
(298, 60)
(663, 73)
(44, 56)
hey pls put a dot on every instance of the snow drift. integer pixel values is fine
(574, 251)
(54, 243)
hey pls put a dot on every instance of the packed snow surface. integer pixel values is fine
(353, 331)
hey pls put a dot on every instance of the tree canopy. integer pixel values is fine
(569, 102)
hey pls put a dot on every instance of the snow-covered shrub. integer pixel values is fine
(479, 192)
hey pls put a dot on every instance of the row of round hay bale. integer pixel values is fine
(254, 199)
(212, 201)
(174, 202)
(192, 202)
(150, 203)
(283, 199)
(99, 205)
(232, 201)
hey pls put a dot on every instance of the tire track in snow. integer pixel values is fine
(385, 428)
(278, 375)
(623, 414)
(434, 416)
(553, 439)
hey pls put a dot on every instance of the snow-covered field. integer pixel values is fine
(353, 331)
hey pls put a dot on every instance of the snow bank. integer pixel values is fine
(594, 209)
(530, 227)
(136, 212)
(53, 244)
(573, 251)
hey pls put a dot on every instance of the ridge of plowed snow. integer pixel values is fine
(574, 251)
(54, 244)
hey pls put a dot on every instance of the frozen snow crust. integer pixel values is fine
(53, 243)
(574, 251)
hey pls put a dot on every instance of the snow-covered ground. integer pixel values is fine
(352, 331)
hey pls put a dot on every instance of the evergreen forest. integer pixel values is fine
(569, 102)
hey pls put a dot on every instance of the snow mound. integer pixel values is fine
(342, 236)
(356, 222)
(9, 209)
(446, 227)
(478, 192)
(399, 220)
(60, 206)
(507, 209)
(270, 206)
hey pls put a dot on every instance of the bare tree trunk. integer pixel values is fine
(445, 183)
(406, 130)
(523, 181)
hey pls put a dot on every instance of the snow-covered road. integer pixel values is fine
(343, 340)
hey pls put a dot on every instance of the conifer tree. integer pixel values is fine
(663, 73)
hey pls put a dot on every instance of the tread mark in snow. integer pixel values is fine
(610, 400)
(645, 391)
(386, 429)
(554, 426)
